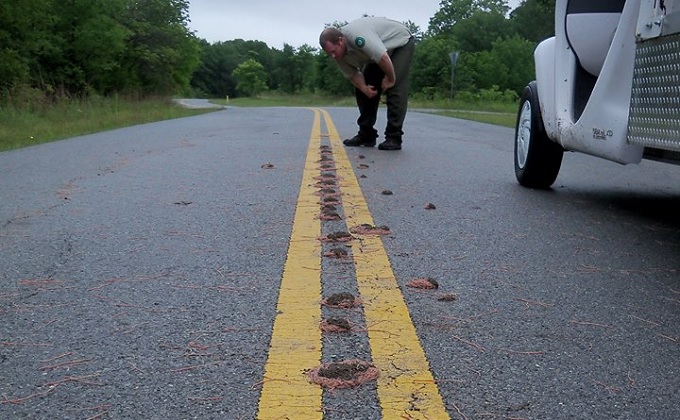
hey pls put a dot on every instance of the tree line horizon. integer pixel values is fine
(57, 49)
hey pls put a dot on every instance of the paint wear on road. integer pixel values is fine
(406, 386)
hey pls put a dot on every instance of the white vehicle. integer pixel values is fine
(607, 84)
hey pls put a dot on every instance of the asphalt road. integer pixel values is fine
(140, 271)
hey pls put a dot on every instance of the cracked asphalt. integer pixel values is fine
(140, 270)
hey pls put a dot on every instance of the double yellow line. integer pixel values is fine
(406, 387)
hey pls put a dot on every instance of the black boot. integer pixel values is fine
(359, 141)
(390, 144)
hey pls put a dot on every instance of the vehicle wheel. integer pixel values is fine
(537, 158)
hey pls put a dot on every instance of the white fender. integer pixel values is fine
(544, 59)
(603, 127)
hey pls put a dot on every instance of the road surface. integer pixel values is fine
(181, 270)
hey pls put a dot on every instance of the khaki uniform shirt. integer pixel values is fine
(368, 39)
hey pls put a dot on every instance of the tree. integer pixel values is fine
(294, 68)
(24, 27)
(515, 56)
(286, 72)
(66, 48)
(509, 65)
(162, 53)
(58, 46)
(492, 57)
(534, 19)
(431, 68)
(252, 77)
(480, 30)
(85, 58)
(214, 75)
(452, 12)
(328, 78)
(305, 60)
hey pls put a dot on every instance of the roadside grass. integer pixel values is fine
(505, 119)
(275, 99)
(22, 126)
(497, 113)
(31, 124)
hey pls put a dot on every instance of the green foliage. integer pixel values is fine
(431, 69)
(78, 57)
(161, 53)
(534, 20)
(270, 99)
(515, 58)
(480, 30)
(505, 119)
(251, 76)
(52, 49)
(54, 53)
(22, 126)
(492, 95)
(292, 68)
(25, 33)
(509, 64)
(492, 51)
(213, 77)
(452, 12)
(71, 48)
(329, 79)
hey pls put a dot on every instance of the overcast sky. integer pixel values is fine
(296, 22)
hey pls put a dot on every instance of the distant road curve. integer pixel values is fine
(197, 103)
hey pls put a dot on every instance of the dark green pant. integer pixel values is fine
(396, 97)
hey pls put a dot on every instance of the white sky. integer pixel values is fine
(296, 22)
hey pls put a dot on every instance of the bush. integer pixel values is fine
(489, 96)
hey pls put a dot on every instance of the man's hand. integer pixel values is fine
(387, 83)
(360, 83)
(370, 91)
(387, 67)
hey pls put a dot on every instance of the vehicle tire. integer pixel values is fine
(537, 158)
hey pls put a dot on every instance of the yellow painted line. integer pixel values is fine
(296, 337)
(406, 387)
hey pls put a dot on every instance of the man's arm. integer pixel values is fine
(388, 81)
(360, 83)
(387, 67)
